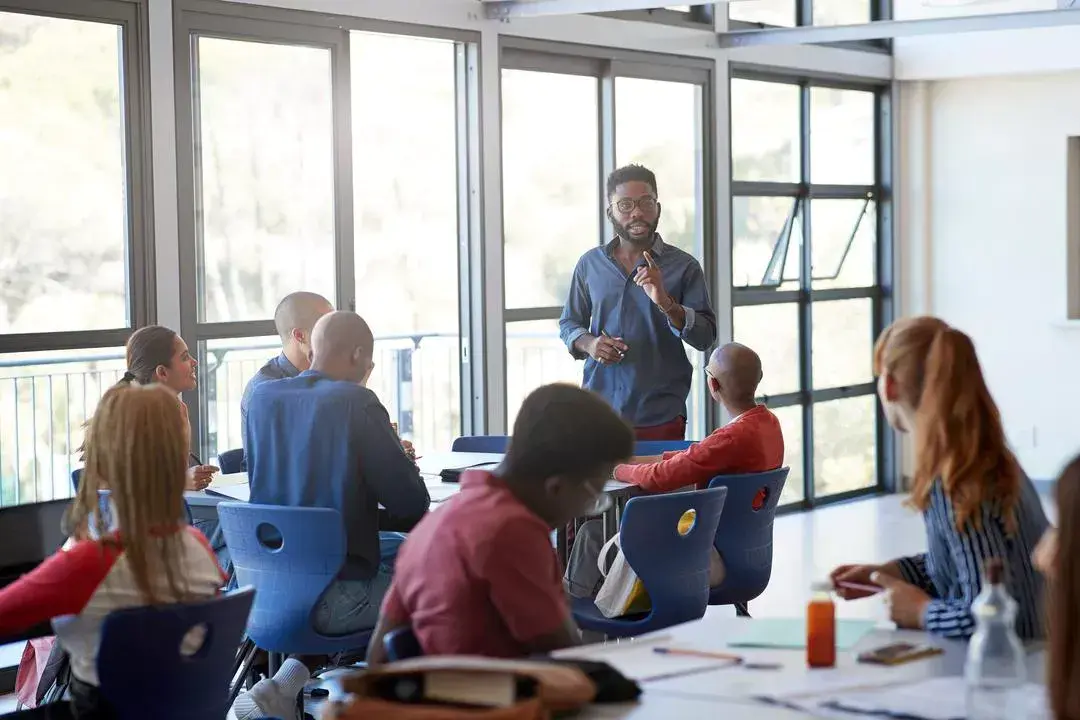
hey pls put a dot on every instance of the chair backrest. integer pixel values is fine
(673, 567)
(401, 644)
(481, 444)
(231, 461)
(745, 537)
(289, 555)
(76, 476)
(648, 448)
(144, 673)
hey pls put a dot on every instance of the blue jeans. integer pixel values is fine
(349, 606)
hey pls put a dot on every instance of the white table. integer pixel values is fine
(732, 684)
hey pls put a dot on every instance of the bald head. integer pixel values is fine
(342, 346)
(299, 311)
(737, 369)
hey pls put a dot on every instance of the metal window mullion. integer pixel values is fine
(804, 12)
(607, 158)
(344, 210)
(888, 465)
(805, 305)
(470, 239)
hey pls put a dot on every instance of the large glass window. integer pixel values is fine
(288, 196)
(405, 185)
(553, 210)
(72, 238)
(266, 157)
(805, 245)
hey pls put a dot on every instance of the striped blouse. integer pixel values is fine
(950, 570)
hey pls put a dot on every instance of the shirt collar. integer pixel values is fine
(286, 366)
(741, 415)
(657, 248)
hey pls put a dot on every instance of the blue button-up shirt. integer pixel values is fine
(277, 368)
(650, 385)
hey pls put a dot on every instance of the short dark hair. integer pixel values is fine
(631, 173)
(564, 430)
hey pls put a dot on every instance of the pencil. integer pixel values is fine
(698, 653)
(859, 586)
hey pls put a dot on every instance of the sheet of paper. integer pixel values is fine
(790, 633)
(639, 660)
(222, 480)
(943, 698)
(240, 493)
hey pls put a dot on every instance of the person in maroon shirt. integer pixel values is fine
(479, 575)
(752, 442)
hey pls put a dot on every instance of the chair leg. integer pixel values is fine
(742, 610)
(247, 659)
(275, 663)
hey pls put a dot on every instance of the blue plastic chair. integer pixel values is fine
(481, 444)
(289, 576)
(401, 644)
(673, 567)
(143, 673)
(231, 461)
(76, 476)
(745, 538)
(648, 448)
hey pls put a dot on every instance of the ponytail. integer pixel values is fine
(129, 378)
(959, 437)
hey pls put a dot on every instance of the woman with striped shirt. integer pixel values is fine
(975, 499)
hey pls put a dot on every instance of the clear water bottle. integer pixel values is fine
(996, 671)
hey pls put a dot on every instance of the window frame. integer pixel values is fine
(804, 17)
(131, 17)
(880, 293)
(606, 65)
(213, 18)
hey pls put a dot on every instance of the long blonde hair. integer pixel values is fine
(958, 431)
(139, 454)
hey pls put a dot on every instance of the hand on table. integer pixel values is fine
(906, 603)
(607, 350)
(200, 476)
(649, 279)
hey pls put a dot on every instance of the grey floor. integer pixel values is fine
(806, 547)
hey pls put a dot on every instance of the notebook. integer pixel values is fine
(453, 475)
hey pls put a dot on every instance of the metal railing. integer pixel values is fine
(44, 403)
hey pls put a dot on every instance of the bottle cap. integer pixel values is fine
(994, 570)
(822, 586)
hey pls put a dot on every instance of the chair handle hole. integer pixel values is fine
(269, 537)
(761, 499)
(196, 642)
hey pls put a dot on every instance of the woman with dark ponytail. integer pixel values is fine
(975, 499)
(157, 355)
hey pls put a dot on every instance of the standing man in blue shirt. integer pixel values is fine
(632, 304)
(294, 319)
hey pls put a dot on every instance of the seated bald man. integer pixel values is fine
(294, 319)
(323, 439)
(751, 442)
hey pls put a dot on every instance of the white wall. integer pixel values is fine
(983, 233)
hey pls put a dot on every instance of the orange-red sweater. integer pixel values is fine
(752, 442)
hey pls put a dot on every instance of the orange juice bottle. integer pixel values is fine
(821, 627)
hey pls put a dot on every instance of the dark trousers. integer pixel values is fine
(87, 702)
(673, 430)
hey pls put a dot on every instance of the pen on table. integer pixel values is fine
(698, 654)
(859, 586)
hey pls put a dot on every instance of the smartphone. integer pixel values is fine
(898, 653)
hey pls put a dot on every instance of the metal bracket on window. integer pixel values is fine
(774, 272)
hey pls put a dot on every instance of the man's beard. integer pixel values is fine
(646, 242)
